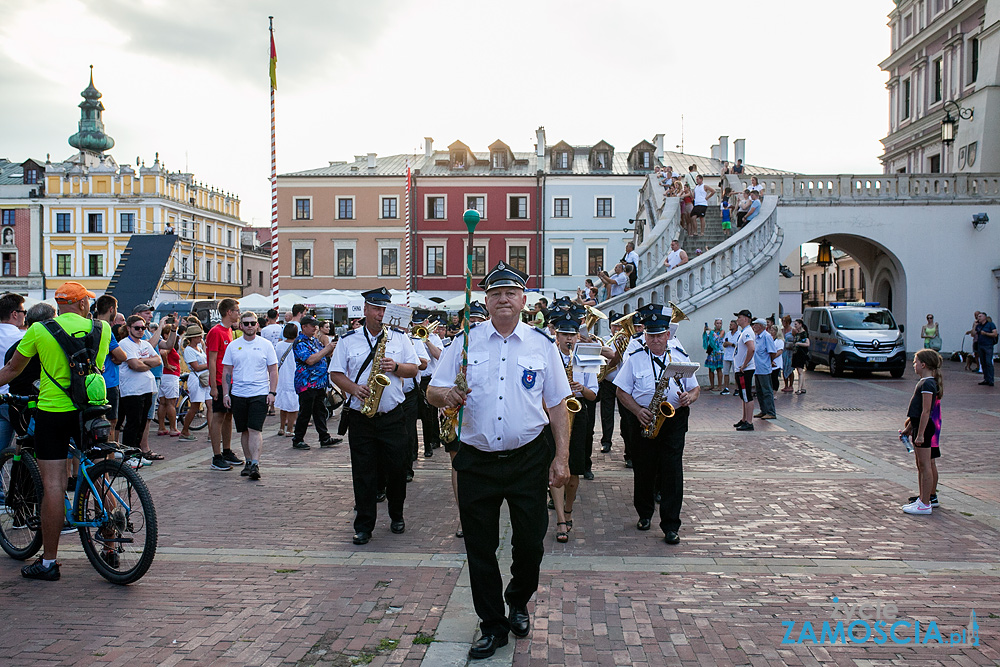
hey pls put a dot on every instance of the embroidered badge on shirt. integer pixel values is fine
(528, 379)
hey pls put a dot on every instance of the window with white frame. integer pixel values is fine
(184, 268)
(208, 234)
(63, 223)
(562, 160)
(303, 261)
(345, 208)
(303, 208)
(517, 207)
(9, 264)
(478, 263)
(560, 261)
(95, 223)
(595, 261)
(517, 256)
(560, 207)
(95, 265)
(208, 270)
(604, 207)
(973, 60)
(435, 260)
(904, 101)
(389, 264)
(477, 203)
(390, 208)
(229, 238)
(937, 80)
(345, 262)
(435, 207)
(64, 264)
(127, 222)
(229, 272)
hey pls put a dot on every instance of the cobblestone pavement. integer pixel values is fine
(777, 523)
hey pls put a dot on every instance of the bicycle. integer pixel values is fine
(112, 508)
(200, 420)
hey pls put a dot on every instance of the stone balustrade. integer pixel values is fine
(852, 188)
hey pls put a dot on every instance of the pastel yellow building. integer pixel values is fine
(93, 206)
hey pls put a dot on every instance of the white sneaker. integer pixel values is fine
(139, 462)
(917, 508)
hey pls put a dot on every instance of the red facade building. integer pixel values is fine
(506, 190)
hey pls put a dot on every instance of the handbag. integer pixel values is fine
(203, 378)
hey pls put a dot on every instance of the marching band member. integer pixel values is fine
(656, 461)
(411, 402)
(584, 388)
(427, 413)
(379, 441)
(512, 371)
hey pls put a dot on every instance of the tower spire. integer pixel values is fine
(90, 136)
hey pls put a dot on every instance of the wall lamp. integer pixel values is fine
(785, 271)
(979, 220)
(950, 123)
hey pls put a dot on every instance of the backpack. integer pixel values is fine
(86, 381)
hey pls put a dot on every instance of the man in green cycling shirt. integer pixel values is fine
(56, 420)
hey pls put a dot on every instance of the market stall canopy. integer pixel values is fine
(256, 302)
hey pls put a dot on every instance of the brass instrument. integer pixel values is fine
(619, 341)
(593, 316)
(659, 407)
(422, 332)
(572, 404)
(448, 417)
(377, 381)
(677, 314)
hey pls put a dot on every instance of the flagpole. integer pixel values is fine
(274, 174)
(407, 232)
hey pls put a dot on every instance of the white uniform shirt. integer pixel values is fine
(508, 378)
(589, 380)
(352, 350)
(740, 354)
(409, 384)
(639, 375)
(432, 363)
(250, 360)
(729, 352)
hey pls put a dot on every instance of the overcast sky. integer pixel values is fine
(189, 78)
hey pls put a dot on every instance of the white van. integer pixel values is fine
(862, 337)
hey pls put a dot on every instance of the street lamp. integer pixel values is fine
(950, 123)
(824, 256)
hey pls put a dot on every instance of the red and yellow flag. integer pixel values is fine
(274, 65)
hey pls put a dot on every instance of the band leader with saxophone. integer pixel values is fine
(369, 365)
(657, 403)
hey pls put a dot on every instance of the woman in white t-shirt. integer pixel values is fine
(197, 361)
(137, 385)
(287, 401)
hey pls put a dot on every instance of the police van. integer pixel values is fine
(858, 336)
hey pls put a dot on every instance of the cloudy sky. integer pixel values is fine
(188, 78)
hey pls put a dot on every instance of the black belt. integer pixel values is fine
(389, 413)
(504, 454)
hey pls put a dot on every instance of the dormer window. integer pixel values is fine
(499, 160)
(562, 160)
(30, 176)
(643, 159)
(458, 160)
(603, 159)
(500, 155)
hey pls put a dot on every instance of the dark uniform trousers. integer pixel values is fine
(485, 480)
(626, 425)
(591, 408)
(657, 465)
(606, 395)
(428, 418)
(377, 444)
(410, 409)
(312, 405)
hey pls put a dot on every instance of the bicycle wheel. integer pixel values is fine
(20, 523)
(198, 422)
(122, 548)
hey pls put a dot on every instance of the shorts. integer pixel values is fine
(113, 394)
(196, 393)
(726, 224)
(727, 366)
(152, 406)
(249, 412)
(744, 385)
(699, 211)
(217, 406)
(170, 386)
(52, 433)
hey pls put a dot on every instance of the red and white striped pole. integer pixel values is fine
(407, 232)
(274, 174)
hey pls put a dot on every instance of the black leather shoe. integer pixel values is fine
(643, 524)
(380, 497)
(605, 448)
(398, 527)
(588, 475)
(656, 498)
(672, 537)
(520, 622)
(486, 646)
(628, 463)
(362, 537)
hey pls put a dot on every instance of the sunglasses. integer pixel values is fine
(138, 328)
(23, 312)
(248, 324)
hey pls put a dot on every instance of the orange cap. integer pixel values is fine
(71, 292)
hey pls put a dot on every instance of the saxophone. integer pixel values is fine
(377, 381)
(572, 404)
(659, 407)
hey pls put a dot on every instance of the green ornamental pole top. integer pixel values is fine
(471, 218)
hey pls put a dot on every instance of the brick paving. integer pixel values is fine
(776, 523)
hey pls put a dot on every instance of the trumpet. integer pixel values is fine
(676, 313)
(422, 332)
(593, 317)
(619, 341)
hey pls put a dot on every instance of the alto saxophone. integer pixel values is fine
(377, 381)
(659, 407)
(572, 404)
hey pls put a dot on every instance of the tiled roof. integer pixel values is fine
(525, 164)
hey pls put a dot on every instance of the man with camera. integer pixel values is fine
(57, 418)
